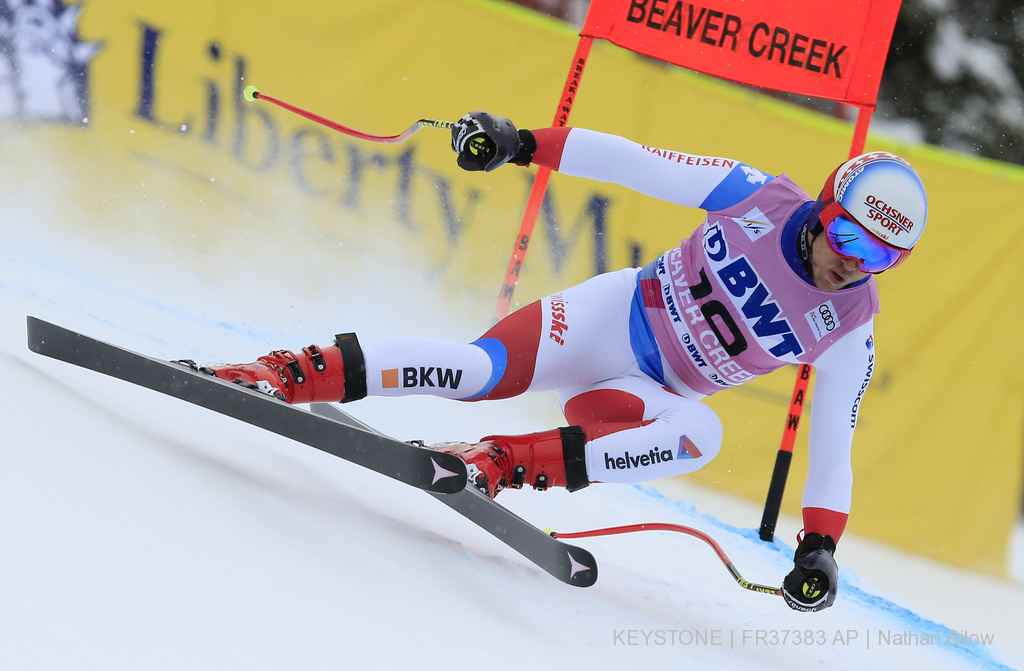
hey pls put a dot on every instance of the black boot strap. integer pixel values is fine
(574, 455)
(355, 366)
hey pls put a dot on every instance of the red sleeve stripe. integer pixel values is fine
(825, 522)
(550, 142)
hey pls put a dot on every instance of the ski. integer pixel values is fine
(420, 467)
(571, 564)
(326, 428)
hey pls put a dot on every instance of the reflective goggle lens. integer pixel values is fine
(847, 238)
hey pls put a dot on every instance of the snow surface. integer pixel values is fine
(140, 532)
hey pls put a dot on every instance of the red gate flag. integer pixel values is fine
(818, 48)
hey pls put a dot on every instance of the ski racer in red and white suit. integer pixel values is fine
(765, 310)
(772, 277)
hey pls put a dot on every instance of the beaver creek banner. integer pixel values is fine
(829, 50)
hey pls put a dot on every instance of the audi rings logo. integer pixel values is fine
(823, 319)
(826, 316)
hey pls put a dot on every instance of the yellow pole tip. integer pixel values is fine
(249, 93)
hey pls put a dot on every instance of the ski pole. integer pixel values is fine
(690, 531)
(777, 485)
(540, 185)
(250, 93)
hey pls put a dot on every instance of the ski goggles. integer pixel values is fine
(851, 240)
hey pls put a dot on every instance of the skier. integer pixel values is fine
(772, 277)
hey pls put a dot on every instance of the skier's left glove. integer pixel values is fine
(812, 584)
(485, 142)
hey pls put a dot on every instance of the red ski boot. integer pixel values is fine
(314, 375)
(554, 458)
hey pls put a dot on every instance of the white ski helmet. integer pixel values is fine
(883, 194)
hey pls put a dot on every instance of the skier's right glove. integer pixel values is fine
(814, 581)
(485, 142)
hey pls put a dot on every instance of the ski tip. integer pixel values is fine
(450, 475)
(31, 323)
(582, 567)
(250, 93)
(36, 331)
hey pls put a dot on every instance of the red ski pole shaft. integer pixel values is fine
(540, 184)
(251, 94)
(783, 458)
(690, 531)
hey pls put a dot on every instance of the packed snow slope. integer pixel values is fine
(140, 532)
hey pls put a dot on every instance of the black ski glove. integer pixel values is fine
(485, 142)
(812, 585)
